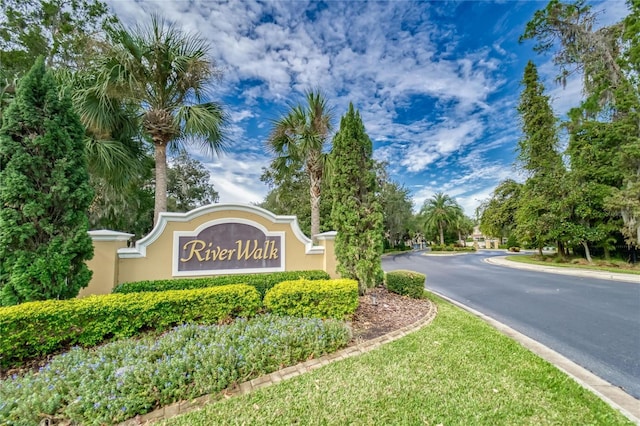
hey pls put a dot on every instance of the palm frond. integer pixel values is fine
(111, 161)
(204, 124)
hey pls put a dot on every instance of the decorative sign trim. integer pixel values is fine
(176, 272)
(140, 249)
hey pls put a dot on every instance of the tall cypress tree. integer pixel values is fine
(44, 195)
(356, 213)
(541, 210)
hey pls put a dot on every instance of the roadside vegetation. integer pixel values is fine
(133, 376)
(597, 264)
(457, 370)
(583, 196)
(161, 347)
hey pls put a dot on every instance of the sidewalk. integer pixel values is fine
(603, 275)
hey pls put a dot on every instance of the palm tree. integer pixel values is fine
(464, 226)
(115, 153)
(439, 212)
(299, 138)
(164, 74)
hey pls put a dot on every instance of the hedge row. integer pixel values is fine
(318, 299)
(451, 247)
(38, 328)
(406, 283)
(262, 282)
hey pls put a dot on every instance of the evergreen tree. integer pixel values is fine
(541, 211)
(604, 178)
(397, 209)
(596, 171)
(356, 213)
(497, 215)
(188, 184)
(626, 199)
(44, 195)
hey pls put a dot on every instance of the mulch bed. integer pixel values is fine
(381, 311)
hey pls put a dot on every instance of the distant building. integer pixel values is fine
(482, 241)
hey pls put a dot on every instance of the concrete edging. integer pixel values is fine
(182, 407)
(587, 273)
(612, 395)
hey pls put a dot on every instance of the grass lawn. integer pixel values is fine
(456, 371)
(624, 267)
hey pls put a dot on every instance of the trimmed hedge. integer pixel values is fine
(318, 299)
(406, 283)
(262, 282)
(39, 328)
(451, 247)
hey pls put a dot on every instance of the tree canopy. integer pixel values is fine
(590, 199)
(166, 74)
(439, 213)
(299, 139)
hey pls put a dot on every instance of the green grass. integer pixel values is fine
(624, 267)
(456, 371)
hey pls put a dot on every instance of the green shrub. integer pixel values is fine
(318, 299)
(121, 379)
(262, 282)
(406, 283)
(451, 247)
(39, 328)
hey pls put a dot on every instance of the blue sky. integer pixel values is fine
(436, 83)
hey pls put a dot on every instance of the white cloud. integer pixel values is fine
(381, 56)
(236, 177)
(439, 142)
(237, 116)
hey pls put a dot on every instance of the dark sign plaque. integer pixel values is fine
(226, 248)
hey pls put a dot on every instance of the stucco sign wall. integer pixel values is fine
(228, 246)
(210, 240)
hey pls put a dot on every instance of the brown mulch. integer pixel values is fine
(381, 311)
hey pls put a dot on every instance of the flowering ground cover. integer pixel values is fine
(456, 371)
(118, 380)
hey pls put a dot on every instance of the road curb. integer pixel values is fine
(612, 395)
(604, 275)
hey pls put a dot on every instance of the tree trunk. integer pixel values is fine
(540, 251)
(587, 253)
(607, 253)
(161, 181)
(441, 229)
(314, 192)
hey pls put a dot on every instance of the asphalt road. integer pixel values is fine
(593, 322)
